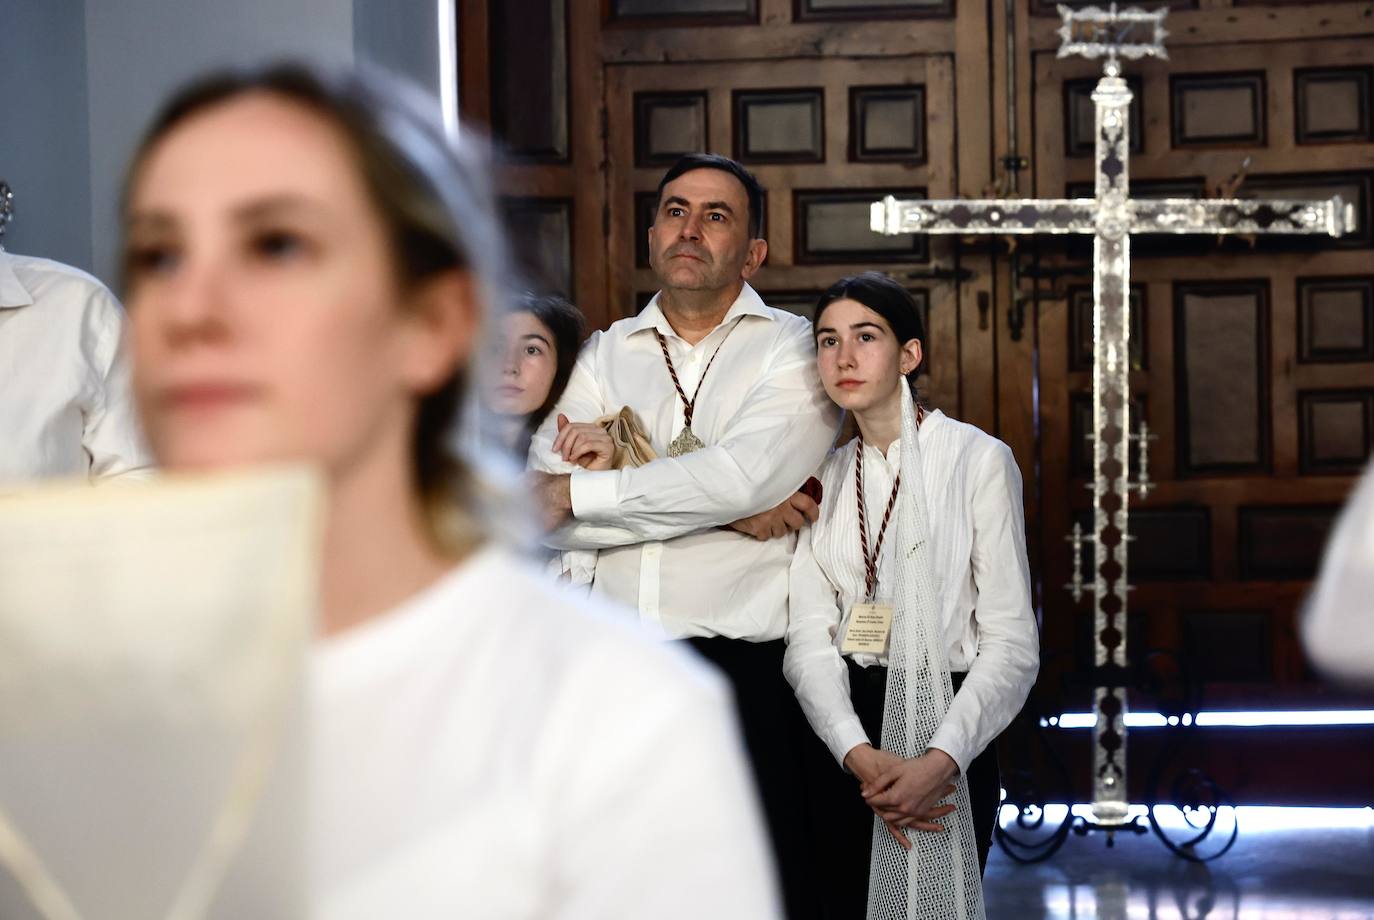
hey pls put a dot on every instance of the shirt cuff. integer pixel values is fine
(594, 494)
(947, 739)
(578, 567)
(846, 736)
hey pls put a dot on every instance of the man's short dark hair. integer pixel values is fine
(752, 189)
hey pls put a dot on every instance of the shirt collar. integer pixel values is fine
(748, 303)
(12, 290)
(893, 454)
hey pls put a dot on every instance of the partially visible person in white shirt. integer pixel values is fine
(65, 405)
(868, 338)
(1338, 620)
(699, 540)
(309, 262)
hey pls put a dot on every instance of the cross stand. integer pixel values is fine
(1111, 217)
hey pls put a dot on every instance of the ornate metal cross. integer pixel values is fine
(1110, 218)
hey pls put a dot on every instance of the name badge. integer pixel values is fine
(868, 630)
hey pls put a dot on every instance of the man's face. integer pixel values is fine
(700, 240)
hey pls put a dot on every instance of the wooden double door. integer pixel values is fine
(1254, 362)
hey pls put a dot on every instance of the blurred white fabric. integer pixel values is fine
(1338, 626)
(499, 747)
(65, 403)
(152, 650)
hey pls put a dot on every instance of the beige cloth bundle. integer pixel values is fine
(632, 447)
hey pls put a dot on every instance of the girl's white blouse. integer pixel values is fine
(973, 493)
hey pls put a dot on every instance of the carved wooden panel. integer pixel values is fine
(1335, 319)
(1222, 395)
(802, 303)
(667, 125)
(1279, 543)
(922, 298)
(1171, 544)
(1080, 300)
(871, 9)
(530, 104)
(779, 126)
(683, 12)
(541, 234)
(1230, 646)
(1080, 128)
(1217, 108)
(1176, 187)
(1333, 104)
(834, 226)
(646, 204)
(887, 123)
(1334, 430)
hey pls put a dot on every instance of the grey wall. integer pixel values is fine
(138, 50)
(82, 78)
(400, 36)
(44, 128)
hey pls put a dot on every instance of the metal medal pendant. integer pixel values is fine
(684, 443)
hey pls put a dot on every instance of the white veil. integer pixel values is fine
(938, 878)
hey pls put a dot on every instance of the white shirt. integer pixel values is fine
(65, 404)
(1338, 625)
(496, 748)
(973, 493)
(767, 424)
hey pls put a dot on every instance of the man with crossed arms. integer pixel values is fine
(727, 390)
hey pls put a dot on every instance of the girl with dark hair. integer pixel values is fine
(911, 641)
(535, 351)
(308, 261)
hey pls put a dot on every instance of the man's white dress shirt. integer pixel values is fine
(766, 423)
(497, 747)
(65, 403)
(973, 493)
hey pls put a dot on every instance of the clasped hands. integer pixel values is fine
(904, 792)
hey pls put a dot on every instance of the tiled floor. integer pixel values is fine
(1287, 864)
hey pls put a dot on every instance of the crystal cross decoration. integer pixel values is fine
(1110, 218)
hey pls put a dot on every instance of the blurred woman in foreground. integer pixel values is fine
(308, 262)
